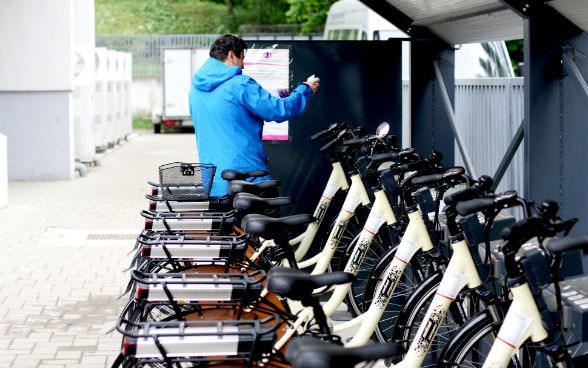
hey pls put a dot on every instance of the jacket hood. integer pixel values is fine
(212, 74)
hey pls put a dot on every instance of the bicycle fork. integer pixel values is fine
(522, 321)
(461, 271)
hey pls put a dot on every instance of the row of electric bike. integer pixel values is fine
(431, 269)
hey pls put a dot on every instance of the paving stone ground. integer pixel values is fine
(65, 247)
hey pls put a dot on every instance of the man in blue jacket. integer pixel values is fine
(228, 110)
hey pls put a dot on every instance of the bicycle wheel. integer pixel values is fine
(471, 343)
(412, 316)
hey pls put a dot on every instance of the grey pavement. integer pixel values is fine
(65, 248)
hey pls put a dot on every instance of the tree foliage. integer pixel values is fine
(310, 14)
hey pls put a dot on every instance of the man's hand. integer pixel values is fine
(313, 82)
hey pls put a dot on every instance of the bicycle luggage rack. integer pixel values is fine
(175, 295)
(192, 222)
(233, 342)
(171, 247)
(182, 181)
(195, 247)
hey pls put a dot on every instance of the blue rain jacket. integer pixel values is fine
(228, 110)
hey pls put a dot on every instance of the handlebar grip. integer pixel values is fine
(413, 166)
(355, 141)
(331, 129)
(460, 196)
(318, 135)
(465, 208)
(329, 145)
(522, 231)
(427, 179)
(386, 156)
(567, 243)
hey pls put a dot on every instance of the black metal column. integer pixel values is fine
(430, 125)
(556, 129)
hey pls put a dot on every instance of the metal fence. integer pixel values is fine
(488, 113)
(146, 49)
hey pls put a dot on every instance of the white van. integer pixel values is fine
(352, 20)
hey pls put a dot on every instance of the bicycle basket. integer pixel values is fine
(181, 181)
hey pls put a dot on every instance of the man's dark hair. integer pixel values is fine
(225, 43)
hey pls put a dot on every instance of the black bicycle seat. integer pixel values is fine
(272, 227)
(310, 352)
(295, 284)
(243, 186)
(230, 174)
(251, 203)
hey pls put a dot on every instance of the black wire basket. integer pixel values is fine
(182, 181)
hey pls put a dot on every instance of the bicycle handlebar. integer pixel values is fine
(332, 129)
(567, 243)
(503, 200)
(450, 175)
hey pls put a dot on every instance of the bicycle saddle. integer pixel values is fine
(253, 204)
(310, 352)
(272, 227)
(230, 174)
(297, 285)
(243, 186)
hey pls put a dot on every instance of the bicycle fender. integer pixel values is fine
(464, 333)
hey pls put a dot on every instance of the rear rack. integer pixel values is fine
(195, 222)
(194, 247)
(245, 341)
(176, 252)
(199, 287)
(176, 296)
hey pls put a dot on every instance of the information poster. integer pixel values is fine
(270, 67)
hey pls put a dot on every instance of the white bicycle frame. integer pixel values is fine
(522, 321)
(461, 272)
(356, 196)
(337, 181)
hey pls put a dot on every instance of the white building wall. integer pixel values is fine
(36, 83)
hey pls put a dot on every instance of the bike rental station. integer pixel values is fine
(434, 265)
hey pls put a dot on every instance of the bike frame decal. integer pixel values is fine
(330, 190)
(386, 288)
(351, 203)
(373, 223)
(359, 252)
(451, 284)
(406, 250)
(514, 328)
